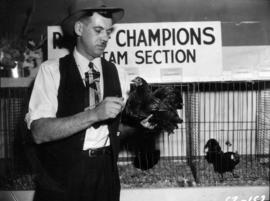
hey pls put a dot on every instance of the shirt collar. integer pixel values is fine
(82, 62)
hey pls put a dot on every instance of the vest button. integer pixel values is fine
(118, 134)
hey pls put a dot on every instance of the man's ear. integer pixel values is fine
(78, 28)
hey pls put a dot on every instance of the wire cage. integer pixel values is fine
(15, 169)
(236, 114)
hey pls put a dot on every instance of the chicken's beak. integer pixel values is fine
(135, 82)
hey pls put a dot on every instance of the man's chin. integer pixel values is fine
(100, 51)
(98, 54)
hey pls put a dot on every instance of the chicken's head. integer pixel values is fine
(138, 81)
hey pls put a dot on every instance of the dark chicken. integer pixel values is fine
(162, 104)
(212, 149)
(222, 162)
(143, 147)
(146, 160)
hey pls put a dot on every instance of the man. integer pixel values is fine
(78, 143)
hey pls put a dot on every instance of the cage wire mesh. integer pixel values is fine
(229, 113)
(236, 114)
(15, 170)
(233, 113)
(263, 125)
(169, 164)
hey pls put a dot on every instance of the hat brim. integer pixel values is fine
(68, 23)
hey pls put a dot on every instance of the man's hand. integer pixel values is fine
(110, 107)
(146, 124)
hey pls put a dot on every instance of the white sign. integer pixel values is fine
(161, 52)
(55, 35)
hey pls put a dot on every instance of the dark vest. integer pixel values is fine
(58, 156)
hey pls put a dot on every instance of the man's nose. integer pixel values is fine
(106, 36)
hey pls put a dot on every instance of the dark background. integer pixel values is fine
(244, 22)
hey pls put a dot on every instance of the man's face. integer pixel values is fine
(94, 35)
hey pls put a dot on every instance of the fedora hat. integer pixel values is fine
(81, 7)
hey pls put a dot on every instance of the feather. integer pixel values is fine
(161, 103)
(222, 162)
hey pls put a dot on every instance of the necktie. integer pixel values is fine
(92, 79)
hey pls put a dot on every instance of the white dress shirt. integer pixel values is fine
(44, 104)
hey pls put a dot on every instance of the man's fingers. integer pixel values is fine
(110, 107)
(147, 118)
(114, 106)
(148, 125)
(117, 100)
(151, 127)
(145, 123)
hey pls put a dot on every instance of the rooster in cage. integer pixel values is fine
(159, 107)
(222, 162)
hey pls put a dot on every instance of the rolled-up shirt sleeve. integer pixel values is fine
(43, 102)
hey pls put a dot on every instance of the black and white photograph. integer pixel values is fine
(120, 100)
